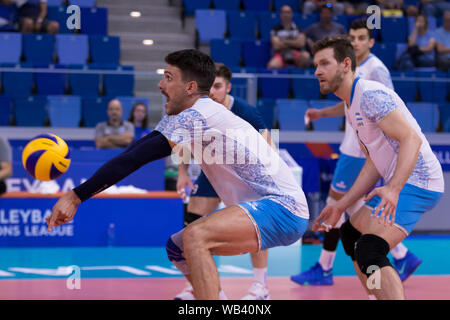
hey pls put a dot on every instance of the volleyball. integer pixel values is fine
(46, 157)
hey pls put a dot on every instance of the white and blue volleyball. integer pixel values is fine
(46, 157)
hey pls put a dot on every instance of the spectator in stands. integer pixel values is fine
(312, 6)
(435, 8)
(442, 36)
(138, 117)
(114, 133)
(324, 28)
(5, 163)
(288, 43)
(32, 16)
(421, 43)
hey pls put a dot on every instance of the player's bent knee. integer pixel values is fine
(349, 236)
(371, 253)
(175, 253)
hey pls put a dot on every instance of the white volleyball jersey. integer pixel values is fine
(370, 102)
(238, 162)
(371, 68)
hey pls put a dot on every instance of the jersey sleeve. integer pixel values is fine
(377, 104)
(383, 76)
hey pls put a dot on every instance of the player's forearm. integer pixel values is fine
(406, 161)
(337, 110)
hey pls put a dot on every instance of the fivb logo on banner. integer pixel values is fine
(74, 21)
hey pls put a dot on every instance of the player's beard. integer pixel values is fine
(333, 84)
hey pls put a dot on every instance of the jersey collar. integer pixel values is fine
(353, 89)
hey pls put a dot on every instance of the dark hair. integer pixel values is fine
(195, 66)
(145, 120)
(223, 71)
(342, 48)
(327, 6)
(361, 24)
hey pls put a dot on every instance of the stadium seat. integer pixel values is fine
(241, 24)
(294, 4)
(83, 3)
(104, 49)
(290, 114)
(444, 115)
(227, 5)
(274, 88)
(17, 84)
(5, 111)
(94, 110)
(210, 24)
(239, 85)
(118, 84)
(64, 111)
(256, 53)
(266, 21)
(257, 5)
(227, 51)
(30, 111)
(406, 89)
(72, 49)
(325, 124)
(305, 88)
(7, 17)
(305, 20)
(426, 115)
(190, 6)
(50, 83)
(59, 15)
(38, 48)
(54, 3)
(432, 91)
(342, 19)
(94, 21)
(12, 41)
(266, 108)
(128, 103)
(386, 52)
(394, 29)
(84, 84)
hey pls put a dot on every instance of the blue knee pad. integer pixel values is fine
(371, 251)
(174, 248)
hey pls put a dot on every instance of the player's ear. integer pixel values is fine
(347, 64)
(229, 85)
(371, 42)
(191, 87)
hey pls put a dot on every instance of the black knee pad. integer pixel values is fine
(371, 253)
(190, 217)
(349, 236)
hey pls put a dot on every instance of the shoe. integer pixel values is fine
(406, 266)
(315, 276)
(257, 292)
(186, 294)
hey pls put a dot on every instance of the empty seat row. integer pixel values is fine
(80, 3)
(253, 5)
(25, 83)
(67, 49)
(61, 111)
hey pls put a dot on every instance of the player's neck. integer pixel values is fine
(227, 101)
(360, 59)
(344, 92)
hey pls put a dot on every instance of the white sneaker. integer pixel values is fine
(257, 292)
(186, 294)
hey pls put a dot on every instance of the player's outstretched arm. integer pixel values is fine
(338, 110)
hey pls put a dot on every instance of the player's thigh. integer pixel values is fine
(202, 205)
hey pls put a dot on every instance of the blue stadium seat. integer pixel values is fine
(274, 88)
(72, 49)
(64, 111)
(5, 110)
(118, 84)
(294, 4)
(266, 21)
(239, 85)
(54, 3)
(305, 20)
(83, 3)
(94, 110)
(256, 53)
(51, 83)
(257, 5)
(210, 24)
(432, 91)
(342, 19)
(227, 51)
(444, 115)
(394, 29)
(325, 124)
(128, 103)
(84, 84)
(406, 89)
(305, 88)
(59, 15)
(426, 115)
(191, 5)
(38, 48)
(12, 41)
(290, 114)
(30, 111)
(266, 108)
(386, 52)
(227, 5)
(17, 84)
(94, 21)
(104, 49)
(241, 24)
(7, 14)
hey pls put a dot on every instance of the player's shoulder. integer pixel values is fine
(241, 104)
